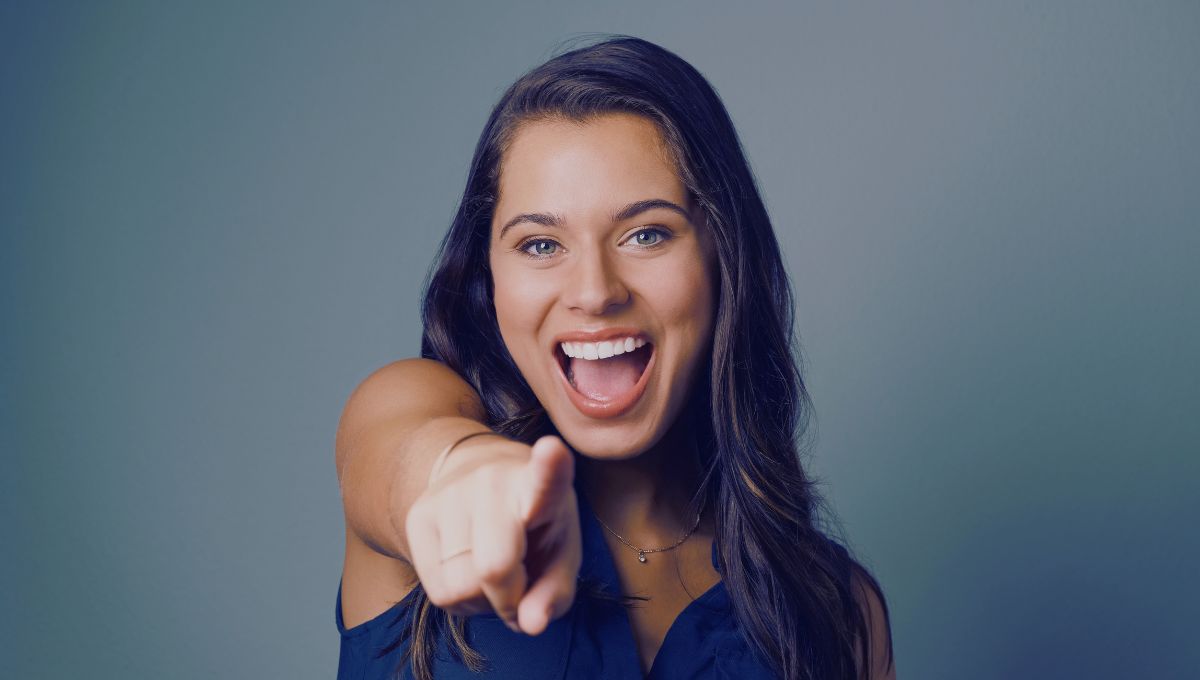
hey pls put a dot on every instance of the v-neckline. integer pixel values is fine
(605, 568)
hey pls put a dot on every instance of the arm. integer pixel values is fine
(393, 427)
(496, 506)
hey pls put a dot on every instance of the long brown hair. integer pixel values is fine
(792, 588)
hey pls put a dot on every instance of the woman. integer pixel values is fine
(593, 470)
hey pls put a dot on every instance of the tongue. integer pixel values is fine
(606, 379)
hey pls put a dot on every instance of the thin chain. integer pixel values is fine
(642, 552)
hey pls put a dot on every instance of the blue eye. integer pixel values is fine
(541, 248)
(641, 237)
(544, 248)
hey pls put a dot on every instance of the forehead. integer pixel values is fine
(568, 166)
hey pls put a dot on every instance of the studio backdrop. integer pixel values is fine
(216, 219)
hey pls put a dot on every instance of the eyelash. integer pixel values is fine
(524, 245)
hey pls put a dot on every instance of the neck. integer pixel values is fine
(647, 498)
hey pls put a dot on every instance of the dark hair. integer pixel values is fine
(792, 588)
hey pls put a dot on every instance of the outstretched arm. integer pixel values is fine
(496, 513)
(393, 427)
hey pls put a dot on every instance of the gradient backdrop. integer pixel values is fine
(216, 219)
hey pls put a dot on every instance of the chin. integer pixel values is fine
(606, 443)
(604, 450)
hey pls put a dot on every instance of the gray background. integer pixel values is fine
(217, 217)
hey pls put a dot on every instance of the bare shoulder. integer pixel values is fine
(875, 612)
(407, 391)
(418, 386)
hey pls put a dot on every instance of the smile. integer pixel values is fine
(605, 387)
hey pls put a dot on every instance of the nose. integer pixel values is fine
(593, 286)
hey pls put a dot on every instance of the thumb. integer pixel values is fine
(548, 475)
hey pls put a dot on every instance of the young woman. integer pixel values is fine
(593, 470)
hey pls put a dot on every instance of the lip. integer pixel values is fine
(600, 335)
(594, 408)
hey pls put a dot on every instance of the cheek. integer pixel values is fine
(520, 303)
(683, 298)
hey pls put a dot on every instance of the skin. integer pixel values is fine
(593, 272)
(496, 528)
(652, 271)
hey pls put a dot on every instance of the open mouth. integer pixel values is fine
(606, 387)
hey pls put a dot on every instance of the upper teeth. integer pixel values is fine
(601, 350)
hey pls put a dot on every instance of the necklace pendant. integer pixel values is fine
(642, 556)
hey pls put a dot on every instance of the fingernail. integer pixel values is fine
(512, 625)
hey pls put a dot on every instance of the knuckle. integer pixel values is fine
(503, 608)
(446, 597)
(437, 596)
(461, 589)
(489, 477)
(494, 568)
(448, 505)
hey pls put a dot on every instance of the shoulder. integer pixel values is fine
(417, 378)
(396, 398)
(414, 386)
(873, 606)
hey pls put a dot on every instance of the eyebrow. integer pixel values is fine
(631, 210)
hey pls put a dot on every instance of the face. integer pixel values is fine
(594, 238)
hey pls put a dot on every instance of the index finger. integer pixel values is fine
(549, 473)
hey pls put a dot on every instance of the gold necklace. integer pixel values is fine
(642, 552)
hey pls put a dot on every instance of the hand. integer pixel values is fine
(501, 534)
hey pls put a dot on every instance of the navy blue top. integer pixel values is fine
(594, 639)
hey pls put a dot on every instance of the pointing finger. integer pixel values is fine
(550, 471)
(553, 593)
